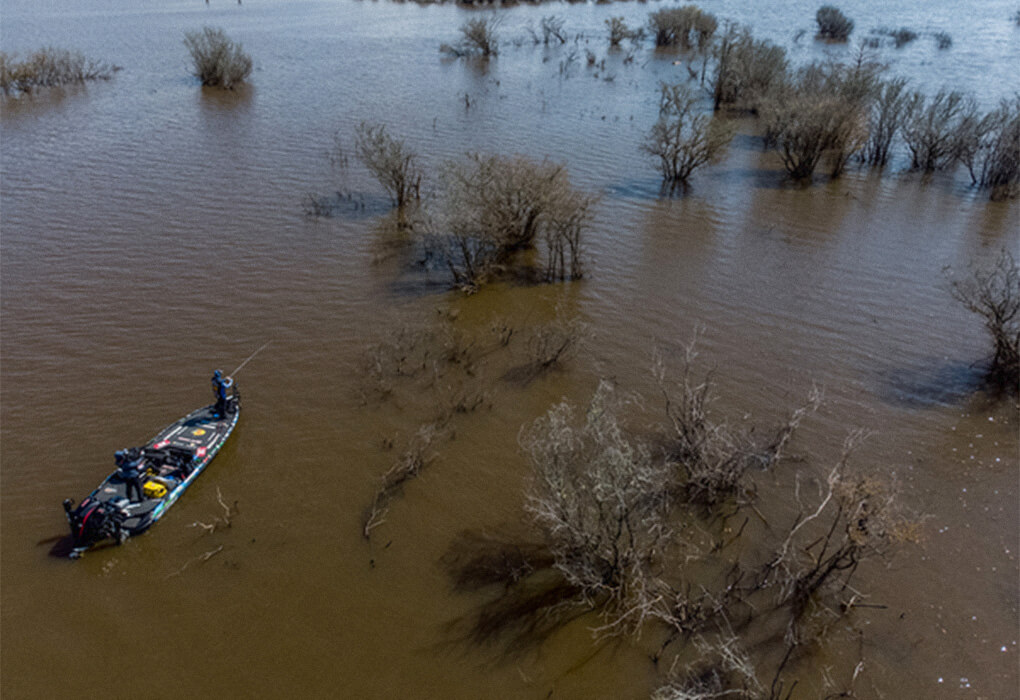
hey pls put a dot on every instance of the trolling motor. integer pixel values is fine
(93, 521)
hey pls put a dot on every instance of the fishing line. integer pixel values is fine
(241, 366)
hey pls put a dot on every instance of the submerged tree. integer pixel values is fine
(891, 109)
(618, 31)
(393, 164)
(49, 67)
(932, 133)
(491, 209)
(478, 37)
(218, 61)
(990, 148)
(833, 24)
(682, 138)
(686, 26)
(993, 293)
(746, 69)
(821, 111)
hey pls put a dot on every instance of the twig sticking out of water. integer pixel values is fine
(200, 559)
(220, 521)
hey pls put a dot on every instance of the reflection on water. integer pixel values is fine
(153, 230)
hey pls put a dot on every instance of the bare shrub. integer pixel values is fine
(683, 139)
(619, 31)
(892, 107)
(611, 534)
(833, 24)
(822, 111)
(49, 67)
(901, 37)
(993, 293)
(552, 30)
(492, 208)
(218, 61)
(989, 146)
(942, 40)
(684, 26)
(551, 344)
(932, 132)
(712, 461)
(392, 163)
(419, 352)
(478, 37)
(598, 499)
(746, 69)
(858, 516)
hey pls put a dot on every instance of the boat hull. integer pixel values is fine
(173, 460)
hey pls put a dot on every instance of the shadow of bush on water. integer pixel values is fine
(937, 383)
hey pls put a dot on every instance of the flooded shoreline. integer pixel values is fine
(153, 230)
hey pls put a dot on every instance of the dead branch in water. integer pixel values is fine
(219, 521)
(408, 466)
(200, 559)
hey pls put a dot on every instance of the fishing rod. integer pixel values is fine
(241, 366)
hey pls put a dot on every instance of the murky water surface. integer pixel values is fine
(152, 231)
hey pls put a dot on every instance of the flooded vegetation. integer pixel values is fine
(48, 68)
(618, 349)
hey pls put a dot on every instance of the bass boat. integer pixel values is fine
(151, 478)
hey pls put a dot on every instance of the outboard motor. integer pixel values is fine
(93, 521)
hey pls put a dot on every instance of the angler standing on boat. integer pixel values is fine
(129, 468)
(220, 385)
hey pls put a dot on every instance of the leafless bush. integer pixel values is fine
(552, 30)
(901, 37)
(619, 31)
(711, 459)
(858, 516)
(746, 69)
(610, 536)
(549, 346)
(393, 164)
(478, 37)
(599, 500)
(49, 67)
(683, 139)
(993, 293)
(415, 352)
(822, 111)
(891, 109)
(833, 24)
(933, 130)
(493, 207)
(942, 40)
(685, 26)
(553, 343)
(218, 61)
(989, 146)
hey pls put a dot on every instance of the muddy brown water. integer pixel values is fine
(152, 231)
